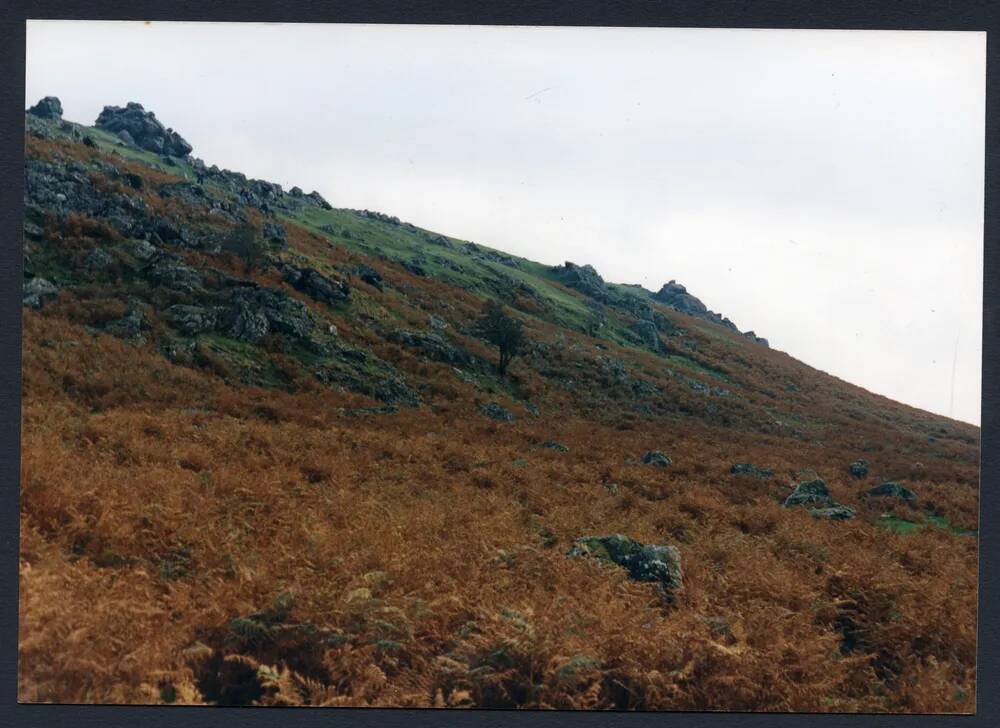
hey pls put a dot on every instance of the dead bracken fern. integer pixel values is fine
(188, 538)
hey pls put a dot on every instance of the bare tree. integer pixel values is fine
(503, 331)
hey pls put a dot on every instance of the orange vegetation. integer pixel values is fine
(187, 539)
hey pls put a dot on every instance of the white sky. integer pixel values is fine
(824, 188)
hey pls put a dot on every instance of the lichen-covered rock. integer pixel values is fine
(859, 468)
(657, 458)
(255, 311)
(192, 319)
(644, 562)
(810, 492)
(131, 325)
(496, 412)
(37, 291)
(751, 470)
(97, 259)
(891, 490)
(835, 513)
(172, 274)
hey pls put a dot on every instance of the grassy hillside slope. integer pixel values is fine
(325, 513)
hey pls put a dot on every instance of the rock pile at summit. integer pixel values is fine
(134, 125)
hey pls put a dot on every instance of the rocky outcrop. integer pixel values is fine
(256, 311)
(656, 563)
(143, 128)
(48, 108)
(676, 296)
(582, 278)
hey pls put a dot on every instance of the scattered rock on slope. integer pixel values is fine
(752, 470)
(859, 468)
(496, 412)
(37, 291)
(836, 513)
(657, 458)
(644, 562)
(810, 492)
(892, 490)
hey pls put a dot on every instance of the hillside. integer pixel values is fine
(301, 479)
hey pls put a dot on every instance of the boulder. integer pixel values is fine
(37, 291)
(496, 412)
(644, 562)
(557, 446)
(48, 108)
(892, 490)
(370, 276)
(318, 286)
(192, 320)
(255, 311)
(657, 458)
(810, 492)
(436, 322)
(144, 128)
(129, 326)
(752, 470)
(859, 468)
(835, 513)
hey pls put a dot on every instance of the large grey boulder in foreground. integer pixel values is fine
(644, 562)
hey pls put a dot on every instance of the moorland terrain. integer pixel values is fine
(268, 457)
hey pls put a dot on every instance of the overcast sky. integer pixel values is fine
(823, 188)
